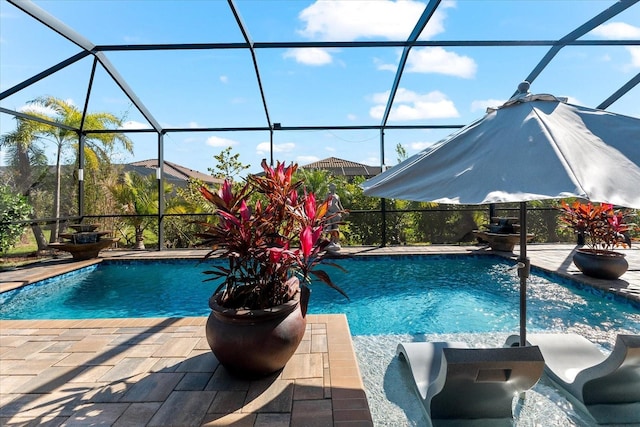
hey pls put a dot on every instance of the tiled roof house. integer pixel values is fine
(173, 173)
(346, 168)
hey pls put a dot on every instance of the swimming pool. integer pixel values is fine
(388, 295)
(394, 299)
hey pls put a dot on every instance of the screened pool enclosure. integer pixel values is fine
(369, 82)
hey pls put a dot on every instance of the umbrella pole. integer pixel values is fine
(523, 272)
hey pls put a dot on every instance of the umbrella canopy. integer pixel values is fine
(534, 147)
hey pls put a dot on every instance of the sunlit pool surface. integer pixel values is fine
(388, 295)
(392, 299)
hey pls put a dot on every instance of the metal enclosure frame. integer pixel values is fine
(87, 48)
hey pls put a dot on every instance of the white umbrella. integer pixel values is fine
(533, 147)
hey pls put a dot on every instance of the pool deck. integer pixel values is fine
(160, 372)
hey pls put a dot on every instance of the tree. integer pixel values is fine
(180, 232)
(13, 208)
(228, 165)
(138, 197)
(401, 152)
(27, 168)
(317, 181)
(192, 197)
(98, 147)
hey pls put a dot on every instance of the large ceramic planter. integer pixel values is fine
(608, 265)
(256, 343)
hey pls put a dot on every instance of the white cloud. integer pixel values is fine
(409, 105)
(483, 104)
(382, 66)
(38, 109)
(622, 30)
(438, 60)
(215, 141)
(352, 117)
(420, 145)
(305, 160)
(635, 55)
(132, 124)
(310, 56)
(351, 20)
(224, 79)
(132, 39)
(371, 161)
(286, 147)
(617, 30)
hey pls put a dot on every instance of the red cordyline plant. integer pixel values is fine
(603, 227)
(268, 240)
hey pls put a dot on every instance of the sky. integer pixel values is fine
(441, 85)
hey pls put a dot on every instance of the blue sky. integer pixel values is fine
(312, 87)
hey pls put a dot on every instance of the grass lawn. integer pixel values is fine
(24, 252)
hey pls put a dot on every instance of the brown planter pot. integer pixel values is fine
(608, 265)
(256, 343)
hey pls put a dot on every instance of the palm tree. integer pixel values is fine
(138, 198)
(316, 181)
(27, 165)
(137, 195)
(98, 147)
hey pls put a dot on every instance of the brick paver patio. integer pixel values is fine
(161, 372)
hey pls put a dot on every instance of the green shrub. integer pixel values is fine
(13, 207)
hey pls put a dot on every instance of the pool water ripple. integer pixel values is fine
(388, 295)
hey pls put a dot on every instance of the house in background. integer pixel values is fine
(345, 168)
(179, 175)
(173, 173)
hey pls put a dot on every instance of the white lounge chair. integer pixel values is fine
(462, 385)
(606, 387)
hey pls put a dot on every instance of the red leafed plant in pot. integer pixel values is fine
(270, 232)
(603, 229)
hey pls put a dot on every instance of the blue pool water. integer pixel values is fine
(388, 295)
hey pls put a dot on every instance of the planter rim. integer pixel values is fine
(247, 314)
(601, 252)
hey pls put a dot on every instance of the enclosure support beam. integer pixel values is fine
(619, 93)
(160, 178)
(247, 38)
(42, 75)
(81, 141)
(271, 147)
(524, 266)
(422, 22)
(383, 202)
(428, 12)
(579, 32)
(81, 138)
